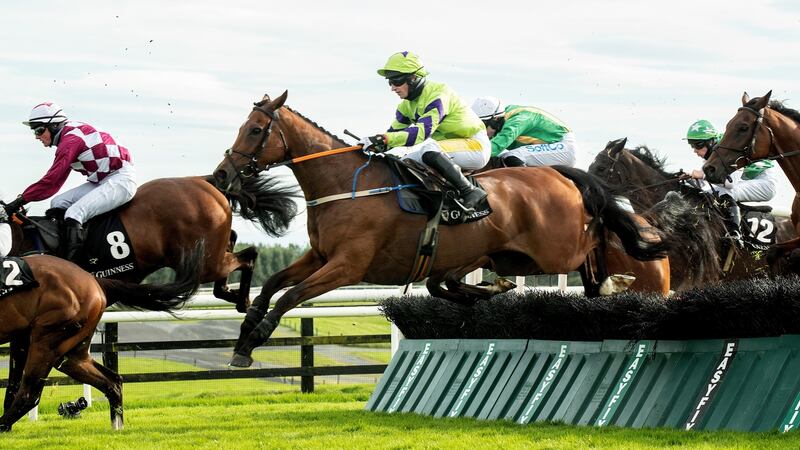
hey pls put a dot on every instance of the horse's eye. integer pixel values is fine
(744, 127)
(255, 131)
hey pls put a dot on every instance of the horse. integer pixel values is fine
(169, 214)
(692, 221)
(542, 222)
(51, 323)
(763, 129)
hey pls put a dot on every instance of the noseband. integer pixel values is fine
(251, 169)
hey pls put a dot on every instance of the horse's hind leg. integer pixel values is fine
(19, 349)
(80, 366)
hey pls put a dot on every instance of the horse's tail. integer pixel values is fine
(600, 203)
(693, 234)
(263, 201)
(159, 297)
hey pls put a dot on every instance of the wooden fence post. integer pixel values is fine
(306, 355)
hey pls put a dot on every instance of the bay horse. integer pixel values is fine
(763, 129)
(169, 214)
(691, 221)
(541, 221)
(51, 325)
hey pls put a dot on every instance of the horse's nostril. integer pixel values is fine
(220, 175)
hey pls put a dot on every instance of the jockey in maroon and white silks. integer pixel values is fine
(107, 166)
(111, 178)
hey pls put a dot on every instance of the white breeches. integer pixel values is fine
(5, 239)
(91, 199)
(558, 153)
(468, 153)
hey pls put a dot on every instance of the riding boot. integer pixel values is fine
(513, 161)
(471, 196)
(73, 239)
(733, 221)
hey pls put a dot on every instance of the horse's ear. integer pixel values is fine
(745, 98)
(762, 102)
(614, 147)
(265, 99)
(278, 102)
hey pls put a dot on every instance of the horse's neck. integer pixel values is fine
(787, 137)
(327, 175)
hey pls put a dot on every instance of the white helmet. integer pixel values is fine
(488, 107)
(45, 114)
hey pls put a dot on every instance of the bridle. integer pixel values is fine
(613, 170)
(251, 169)
(745, 153)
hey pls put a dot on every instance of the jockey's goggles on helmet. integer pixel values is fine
(698, 144)
(38, 131)
(400, 79)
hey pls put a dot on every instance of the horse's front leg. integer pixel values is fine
(336, 273)
(298, 271)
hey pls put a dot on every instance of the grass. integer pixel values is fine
(291, 358)
(337, 326)
(331, 418)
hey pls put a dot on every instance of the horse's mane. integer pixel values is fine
(652, 160)
(778, 105)
(315, 124)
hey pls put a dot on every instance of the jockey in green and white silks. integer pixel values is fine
(5, 234)
(433, 126)
(753, 183)
(525, 135)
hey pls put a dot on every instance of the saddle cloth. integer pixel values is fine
(107, 249)
(15, 276)
(758, 226)
(429, 191)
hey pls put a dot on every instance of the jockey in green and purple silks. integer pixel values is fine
(433, 126)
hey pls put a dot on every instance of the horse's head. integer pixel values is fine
(745, 140)
(615, 165)
(260, 142)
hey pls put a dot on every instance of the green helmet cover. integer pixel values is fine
(403, 62)
(701, 130)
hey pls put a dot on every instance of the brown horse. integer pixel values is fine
(763, 129)
(697, 255)
(169, 214)
(541, 221)
(51, 325)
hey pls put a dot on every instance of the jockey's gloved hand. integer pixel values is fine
(375, 143)
(15, 205)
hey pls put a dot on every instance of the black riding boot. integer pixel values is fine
(73, 242)
(733, 220)
(470, 195)
(513, 161)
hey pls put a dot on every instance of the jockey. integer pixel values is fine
(111, 178)
(5, 234)
(432, 126)
(524, 135)
(753, 183)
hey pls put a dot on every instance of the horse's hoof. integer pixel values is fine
(243, 306)
(240, 360)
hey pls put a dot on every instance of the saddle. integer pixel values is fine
(430, 194)
(107, 248)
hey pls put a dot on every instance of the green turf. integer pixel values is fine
(331, 418)
(343, 326)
